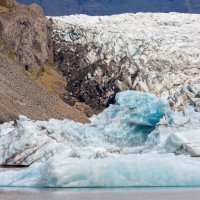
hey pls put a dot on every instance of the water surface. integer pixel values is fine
(100, 194)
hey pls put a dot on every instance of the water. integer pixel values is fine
(101, 194)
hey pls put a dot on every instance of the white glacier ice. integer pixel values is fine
(135, 142)
(160, 50)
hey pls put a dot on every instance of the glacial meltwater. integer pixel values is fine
(138, 141)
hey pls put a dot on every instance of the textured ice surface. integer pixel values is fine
(186, 140)
(132, 143)
(134, 170)
(125, 124)
(160, 50)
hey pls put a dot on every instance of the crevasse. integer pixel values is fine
(138, 141)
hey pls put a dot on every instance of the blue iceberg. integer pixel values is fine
(133, 117)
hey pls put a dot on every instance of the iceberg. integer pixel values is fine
(138, 141)
(125, 124)
(123, 171)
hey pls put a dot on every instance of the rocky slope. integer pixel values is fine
(29, 82)
(156, 53)
(108, 7)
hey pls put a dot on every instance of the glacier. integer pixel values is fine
(149, 52)
(138, 141)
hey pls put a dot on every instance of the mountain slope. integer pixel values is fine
(29, 82)
(108, 7)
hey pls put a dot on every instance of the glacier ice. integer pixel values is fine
(160, 50)
(134, 142)
(123, 171)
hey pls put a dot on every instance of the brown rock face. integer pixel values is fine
(7, 3)
(20, 95)
(29, 82)
(25, 31)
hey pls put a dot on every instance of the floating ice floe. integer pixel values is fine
(124, 171)
(136, 142)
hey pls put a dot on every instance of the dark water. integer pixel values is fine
(100, 194)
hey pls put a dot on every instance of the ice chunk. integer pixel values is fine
(132, 118)
(146, 109)
(187, 142)
(134, 170)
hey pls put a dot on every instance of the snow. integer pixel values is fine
(132, 143)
